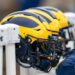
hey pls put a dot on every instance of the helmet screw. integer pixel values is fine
(50, 54)
(58, 56)
(37, 49)
(29, 40)
(19, 46)
(28, 58)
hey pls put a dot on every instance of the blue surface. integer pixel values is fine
(67, 67)
(24, 4)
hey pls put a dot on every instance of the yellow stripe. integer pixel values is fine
(20, 15)
(59, 63)
(40, 12)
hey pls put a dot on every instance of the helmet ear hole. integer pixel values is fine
(59, 19)
(23, 33)
(38, 29)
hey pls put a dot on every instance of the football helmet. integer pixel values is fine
(61, 34)
(37, 46)
(65, 25)
(53, 23)
(59, 15)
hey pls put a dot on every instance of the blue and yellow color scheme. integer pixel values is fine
(67, 66)
(30, 24)
(51, 20)
(59, 15)
(37, 41)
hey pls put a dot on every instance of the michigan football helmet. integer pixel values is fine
(53, 23)
(55, 27)
(65, 25)
(59, 15)
(37, 46)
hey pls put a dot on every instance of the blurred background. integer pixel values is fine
(8, 6)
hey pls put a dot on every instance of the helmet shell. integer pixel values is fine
(29, 23)
(59, 15)
(52, 22)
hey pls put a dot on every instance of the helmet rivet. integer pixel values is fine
(28, 58)
(50, 54)
(37, 49)
(19, 46)
(58, 56)
(29, 40)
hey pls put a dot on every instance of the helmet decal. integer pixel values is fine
(27, 13)
(22, 21)
(49, 13)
